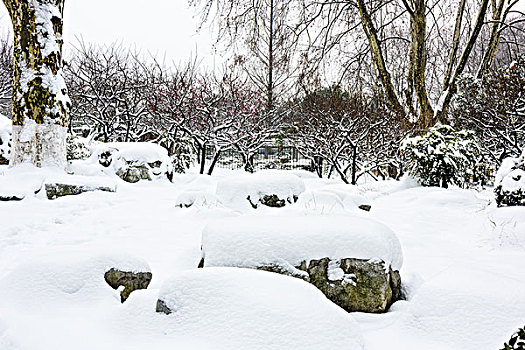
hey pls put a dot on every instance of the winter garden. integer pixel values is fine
(352, 177)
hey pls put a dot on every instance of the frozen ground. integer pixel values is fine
(463, 270)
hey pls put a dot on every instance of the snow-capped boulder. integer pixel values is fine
(354, 261)
(509, 186)
(248, 309)
(134, 161)
(270, 188)
(5, 139)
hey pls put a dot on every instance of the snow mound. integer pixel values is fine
(5, 138)
(321, 202)
(468, 309)
(234, 191)
(248, 309)
(65, 277)
(144, 152)
(253, 241)
(187, 199)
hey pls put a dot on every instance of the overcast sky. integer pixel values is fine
(166, 28)
(163, 27)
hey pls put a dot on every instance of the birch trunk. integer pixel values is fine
(40, 101)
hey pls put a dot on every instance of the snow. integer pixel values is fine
(253, 241)
(233, 191)
(249, 309)
(462, 268)
(5, 137)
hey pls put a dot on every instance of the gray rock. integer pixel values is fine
(55, 190)
(362, 285)
(134, 173)
(130, 280)
(162, 307)
(271, 200)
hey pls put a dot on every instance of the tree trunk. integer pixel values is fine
(214, 162)
(249, 166)
(354, 166)
(378, 59)
(40, 101)
(270, 59)
(202, 158)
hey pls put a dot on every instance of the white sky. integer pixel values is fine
(165, 28)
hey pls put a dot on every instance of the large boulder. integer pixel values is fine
(354, 261)
(249, 309)
(509, 186)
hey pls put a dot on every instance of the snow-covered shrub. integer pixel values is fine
(77, 148)
(517, 341)
(442, 156)
(5, 139)
(183, 157)
(510, 182)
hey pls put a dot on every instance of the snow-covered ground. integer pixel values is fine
(463, 271)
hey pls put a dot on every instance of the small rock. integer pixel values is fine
(130, 280)
(162, 307)
(8, 198)
(365, 207)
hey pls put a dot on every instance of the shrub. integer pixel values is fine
(442, 156)
(517, 341)
(510, 182)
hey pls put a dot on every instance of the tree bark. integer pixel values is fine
(418, 61)
(40, 100)
(497, 19)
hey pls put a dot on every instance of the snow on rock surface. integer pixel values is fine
(253, 241)
(234, 191)
(248, 309)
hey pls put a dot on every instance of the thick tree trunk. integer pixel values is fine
(40, 101)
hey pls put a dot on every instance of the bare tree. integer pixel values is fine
(263, 31)
(415, 37)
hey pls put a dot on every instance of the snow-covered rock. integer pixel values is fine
(310, 248)
(510, 182)
(320, 202)
(5, 139)
(247, 191)
(133, 161)
(247, 309)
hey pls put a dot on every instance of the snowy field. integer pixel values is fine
(463, 269)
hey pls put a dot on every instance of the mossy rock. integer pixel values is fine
(130, 280)
(55, 190)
